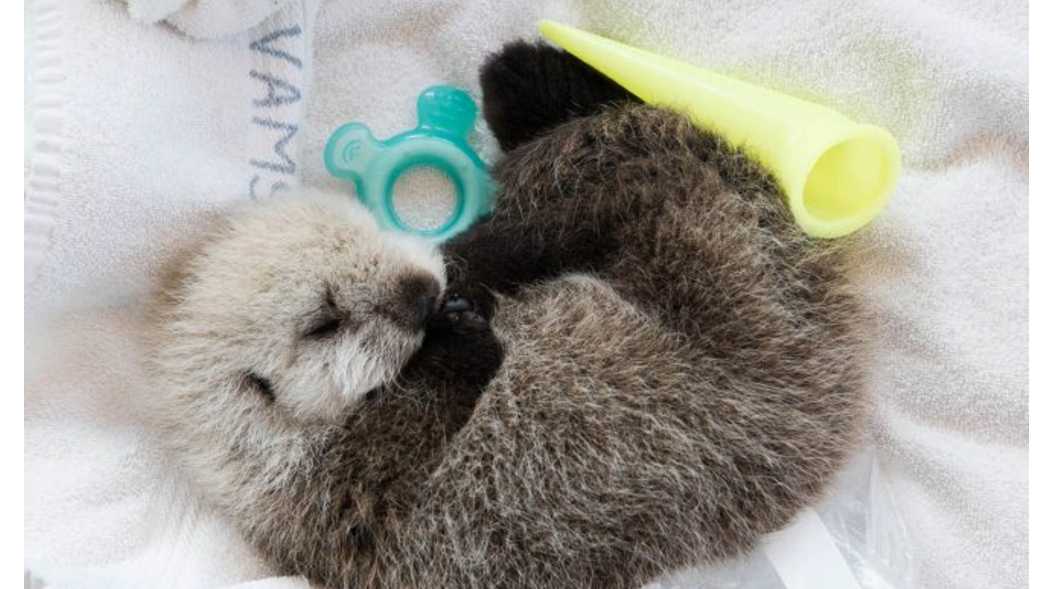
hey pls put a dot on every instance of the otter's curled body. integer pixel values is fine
(680, 373)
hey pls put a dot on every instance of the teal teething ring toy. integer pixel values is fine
(445, 116)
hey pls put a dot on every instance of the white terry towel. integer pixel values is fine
(139, 128)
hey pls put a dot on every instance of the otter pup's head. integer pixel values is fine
(302, 302)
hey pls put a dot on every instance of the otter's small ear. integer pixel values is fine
(529, 88)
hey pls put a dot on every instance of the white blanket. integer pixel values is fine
(138, 128)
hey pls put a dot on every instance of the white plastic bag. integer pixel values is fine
(853, 538)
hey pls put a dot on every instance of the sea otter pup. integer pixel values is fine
(636, 364)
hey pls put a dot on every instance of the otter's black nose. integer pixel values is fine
(417, 300)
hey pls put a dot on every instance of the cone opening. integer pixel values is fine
(850, 183)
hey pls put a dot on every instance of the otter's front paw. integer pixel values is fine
(459, 315)
(459, 348)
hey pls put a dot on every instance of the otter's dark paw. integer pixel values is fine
(529, 88)
(465, 293)
(460, 348)
(459, 317)
(455, 303)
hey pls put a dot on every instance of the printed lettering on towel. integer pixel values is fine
(277, 74)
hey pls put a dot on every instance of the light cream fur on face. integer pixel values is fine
(271, 270)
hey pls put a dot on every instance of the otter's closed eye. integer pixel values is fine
(328, 319)
(323, 327)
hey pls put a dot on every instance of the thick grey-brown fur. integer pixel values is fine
(681, 373)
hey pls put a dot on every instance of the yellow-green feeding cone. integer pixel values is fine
(837, 174)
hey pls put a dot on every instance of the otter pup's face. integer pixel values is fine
(307, 302)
